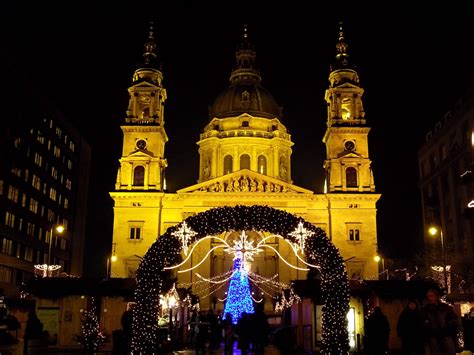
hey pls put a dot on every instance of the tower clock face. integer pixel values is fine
(141, 144)
(349, 145)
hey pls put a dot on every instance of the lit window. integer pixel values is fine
(71, 145)
(13, 193)
(28, 254)
(5, 274)
(9, 219)
(33, 205)
(135, 233)
(59, 132)
(17, 143)
(57, 152)
(262, 165)
(20, 224)
(1, 187)
(346, 108)
(69, 164)
(54, 172)
(63, 244)
(68, 184)
(16, 171)
(36, 182)
(7, 246)
(27, 173)
(40, 137)
(52, 194)
(51, 216)
(23, 200)
(66, 203)
(40, 233)
(38, 159)
(45, 188)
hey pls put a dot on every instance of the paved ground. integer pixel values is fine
(270, 350)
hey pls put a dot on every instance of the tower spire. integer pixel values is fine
(342, 55)
(149, 54)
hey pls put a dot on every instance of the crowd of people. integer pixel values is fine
(434, 329)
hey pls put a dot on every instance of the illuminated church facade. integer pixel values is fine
(245, 159)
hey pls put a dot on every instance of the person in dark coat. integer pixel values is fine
(410, 329)
(377, 332)
(441, 325)
(33, 331)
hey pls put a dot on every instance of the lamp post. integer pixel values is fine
(111, 259)
(434, 231)
(59, 229)
(379, 259)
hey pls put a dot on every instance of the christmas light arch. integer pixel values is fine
(166, 252)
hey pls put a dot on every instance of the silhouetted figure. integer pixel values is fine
(410, 329)
(8, 323)
(228, 335)
(468, 325)
(244, 333)
(33, 331)
(441, 325)
(127, 326)
(259, 330)
(377, 332)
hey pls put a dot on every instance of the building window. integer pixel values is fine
(38, 160)
(16, 171)
(13, 193)
(9, 219)
(351, 177)
(57, 152)
(40, 137)
(244, 161)
(36, 182)
(346, 107)
(228, 162)
(59, 132)
(354, 232)
(7, 246)
(71, 146)
(68, 184)
(245, 123)
(51, 216)
(33, 205)
(27, 173)
(139, 176)
(1, 187)
(5, 274)
(17, 143)
(20, 224)
(66, 203)
(146, 113)
(52, 194)
(262, 165)
(135, 233)
(19, 251)
(54, 172)
(30, 229)
(69, 164)
(28, 254)
(63, 245)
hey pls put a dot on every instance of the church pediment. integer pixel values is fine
(143, 84)
(350, 155)
(245, 181)
(141, 153)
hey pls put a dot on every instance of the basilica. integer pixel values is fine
(245, 159)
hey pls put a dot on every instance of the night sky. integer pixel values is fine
(413, 64)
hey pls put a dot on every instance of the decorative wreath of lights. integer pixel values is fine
(317, 250)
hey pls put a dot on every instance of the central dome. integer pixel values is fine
(245, 94)
(245, 97)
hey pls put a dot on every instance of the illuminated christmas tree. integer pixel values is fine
(239, 299)
(91, 337)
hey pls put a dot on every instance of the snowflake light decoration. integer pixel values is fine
(184, 233)
(243, 248)
(301, 233)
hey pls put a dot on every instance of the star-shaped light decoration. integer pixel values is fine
(184, 233)
(243, 249)
(300, 234)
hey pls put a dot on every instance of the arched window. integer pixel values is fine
(351, 177)
(228, 162)
(139, 176)
(244, 161)
(262, 165)
(146, 113)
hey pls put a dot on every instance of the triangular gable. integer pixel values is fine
(351, 154)
(143, 84)
(245, 181)
(141, 153)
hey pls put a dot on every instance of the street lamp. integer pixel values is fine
(433, 230)
(59, 229)
(111, 259)
(378, 259)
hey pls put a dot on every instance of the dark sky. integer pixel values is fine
(414, 65)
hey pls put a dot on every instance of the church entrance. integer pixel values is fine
(242, 233)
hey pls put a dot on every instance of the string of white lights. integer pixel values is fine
(215, 282)
(203, 259)
(283, 259)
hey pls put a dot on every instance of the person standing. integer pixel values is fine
(441, 325)
(377, 332)
(410, 329)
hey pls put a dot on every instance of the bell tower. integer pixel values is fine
(347, 161)
(142, 163)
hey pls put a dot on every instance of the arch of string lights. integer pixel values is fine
(166, 252)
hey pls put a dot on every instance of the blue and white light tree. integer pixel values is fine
(239, 299)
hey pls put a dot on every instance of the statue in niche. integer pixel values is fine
(260, 186)
(236, 185)
(283, 168)
(229, 187)
(206, 170)
(277, 188)
(219, 187)
(253, 185)
(244, 185)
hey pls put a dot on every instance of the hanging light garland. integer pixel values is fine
(318, 250)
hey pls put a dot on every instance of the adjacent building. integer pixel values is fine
(44, 174)
(245, 158)
(444, 159)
